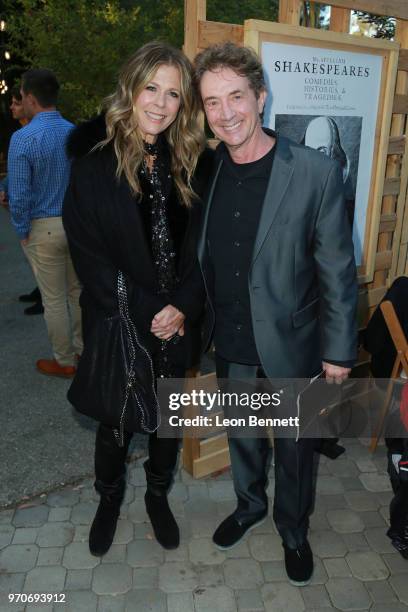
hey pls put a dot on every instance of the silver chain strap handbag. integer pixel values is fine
(135, 348)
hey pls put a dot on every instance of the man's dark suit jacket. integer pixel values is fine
(302, 279)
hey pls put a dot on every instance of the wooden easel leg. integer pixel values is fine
(390, 387)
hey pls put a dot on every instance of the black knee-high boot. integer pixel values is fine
(110, 484)
(159, 475)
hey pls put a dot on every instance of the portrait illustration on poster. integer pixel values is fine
(328, 99)
(337, 137)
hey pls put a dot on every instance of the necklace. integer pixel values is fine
(164, 255)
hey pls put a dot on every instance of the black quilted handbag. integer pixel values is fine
(115, 381)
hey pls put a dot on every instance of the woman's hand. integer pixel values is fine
(168, 322)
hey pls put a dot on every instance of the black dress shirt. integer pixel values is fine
(233, 224)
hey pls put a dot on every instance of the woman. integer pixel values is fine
(132, 206)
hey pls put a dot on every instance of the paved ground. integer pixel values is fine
(44, 550)
(43, 539)
(42, 443)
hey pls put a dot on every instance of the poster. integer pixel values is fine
(328, 99)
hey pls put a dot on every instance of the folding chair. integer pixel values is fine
(400, 363)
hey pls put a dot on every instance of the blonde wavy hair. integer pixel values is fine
(184, 136)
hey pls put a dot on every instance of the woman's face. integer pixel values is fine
(156, 107)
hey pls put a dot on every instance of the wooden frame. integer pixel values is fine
(391, 258)
(202, 457)
(388, 8)
(256, 33)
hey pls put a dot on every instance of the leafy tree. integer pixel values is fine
(312, 15)
(384, 26)
(231, 11)
(85, 42)
(163, 19)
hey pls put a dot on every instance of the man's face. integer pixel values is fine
(17, 110)
(231, 106)
(27, 101)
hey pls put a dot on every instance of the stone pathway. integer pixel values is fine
(43, 549)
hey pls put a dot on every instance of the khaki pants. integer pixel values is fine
(48, 254)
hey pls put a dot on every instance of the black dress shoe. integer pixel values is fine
(299, 564)
(231, 531)
(35, 309)
(163, 522)
(330, 448)
(34, 296)
(399, 541)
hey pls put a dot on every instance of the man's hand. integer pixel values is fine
(167, 322)
(334, 373)
(24, 241)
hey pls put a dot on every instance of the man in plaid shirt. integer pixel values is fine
(38, 174)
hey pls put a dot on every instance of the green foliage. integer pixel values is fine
(312, 15)
(85, 41)
(385, 26)
(163, 19)
(233, 11)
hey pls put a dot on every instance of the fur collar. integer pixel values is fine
(85, 136)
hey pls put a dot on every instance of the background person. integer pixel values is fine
(38, 170)
(131, 207)
(17, 112)
(379, 343)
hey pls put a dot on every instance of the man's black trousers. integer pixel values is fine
(293, 471)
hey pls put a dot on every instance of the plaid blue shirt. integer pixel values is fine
(38, 170)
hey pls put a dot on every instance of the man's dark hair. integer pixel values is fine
(242, 60)
(42, 84)
(15, 93)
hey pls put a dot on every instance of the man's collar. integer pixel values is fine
(45, 113)
(222, 150)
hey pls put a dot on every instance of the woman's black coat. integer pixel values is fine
(106, 232)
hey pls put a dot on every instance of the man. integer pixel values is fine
(277, 259)
(38, 177)
(17, 112)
